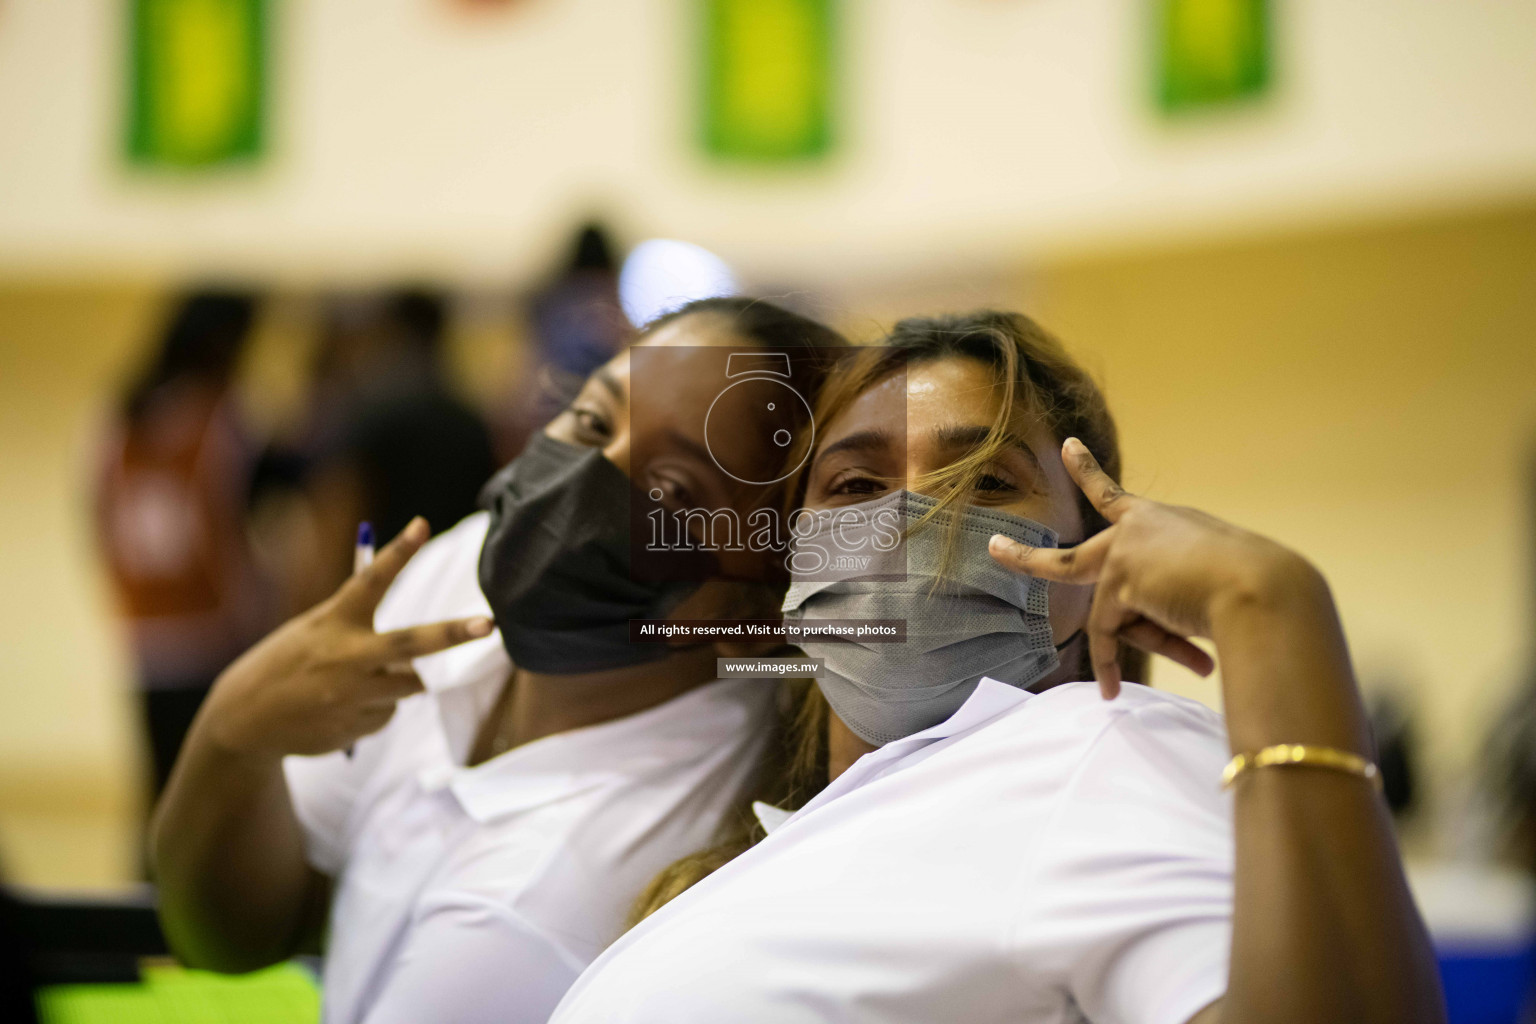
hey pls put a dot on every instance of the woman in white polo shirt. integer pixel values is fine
(470, 848)
(995, 842)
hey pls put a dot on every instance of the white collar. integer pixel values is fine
(468, 662)
(769, 816)
(464, 682)
(669, 736)
(991, 699)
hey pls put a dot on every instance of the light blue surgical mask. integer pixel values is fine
(977, 619)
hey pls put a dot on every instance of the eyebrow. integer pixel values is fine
(690, 446)
(605, 377)
(859, 441)
(974, 436)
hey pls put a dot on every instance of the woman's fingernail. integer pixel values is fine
(1073, 444)
(479, 627)
(416, 529)
(1004, 545)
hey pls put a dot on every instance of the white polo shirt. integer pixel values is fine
(1037, 859)
(479, 894)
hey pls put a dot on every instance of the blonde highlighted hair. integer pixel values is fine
(1035, 376)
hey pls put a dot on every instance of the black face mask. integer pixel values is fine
(556, 566)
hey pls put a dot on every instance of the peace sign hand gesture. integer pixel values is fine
(325, 678)
(1316, 867)
(1163, 573)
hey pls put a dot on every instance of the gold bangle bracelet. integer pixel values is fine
(1284, 754)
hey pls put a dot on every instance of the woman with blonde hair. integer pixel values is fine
(985, 823)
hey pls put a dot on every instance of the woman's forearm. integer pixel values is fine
(235, 891)
(1324, 927)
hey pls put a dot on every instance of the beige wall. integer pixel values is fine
(65, 744)
(1367, 397)
(413, 136)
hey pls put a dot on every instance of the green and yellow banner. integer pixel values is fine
(768, 79)
(198, 90)
(1212, 52)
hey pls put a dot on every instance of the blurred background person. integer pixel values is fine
(1509, 769)
(575, 324)
(385, 436)
(17, 983)
(171, 498)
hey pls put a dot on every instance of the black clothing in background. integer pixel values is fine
(418, 451)
(168, 715)
(17, 984)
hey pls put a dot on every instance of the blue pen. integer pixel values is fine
(362, 558)
(362, 555)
